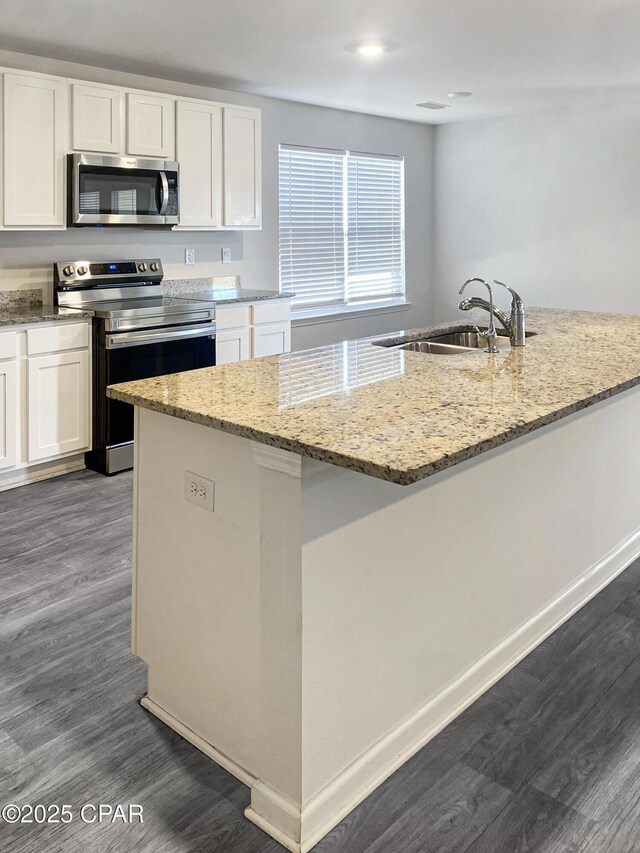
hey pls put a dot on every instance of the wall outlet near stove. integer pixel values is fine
(226, 255)
(198, 490)
(189, 256)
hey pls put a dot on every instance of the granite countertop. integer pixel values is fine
(402, 416)
(223, 295)
(25, 315)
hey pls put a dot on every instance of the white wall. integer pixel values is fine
(26, 258)
(549, 203)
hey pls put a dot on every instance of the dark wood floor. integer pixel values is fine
(548, 760)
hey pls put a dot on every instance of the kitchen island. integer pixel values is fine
(391, 532)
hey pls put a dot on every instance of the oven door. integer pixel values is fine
(127, 356)
(122, 191)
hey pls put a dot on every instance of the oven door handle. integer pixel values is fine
(159, 336)
(164, 193)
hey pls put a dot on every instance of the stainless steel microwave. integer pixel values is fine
(107, 191)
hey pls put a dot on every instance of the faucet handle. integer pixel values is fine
(490, 337)
(517, 304)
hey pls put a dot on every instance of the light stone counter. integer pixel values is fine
(222, 290)
(402, 416)
(26, 315)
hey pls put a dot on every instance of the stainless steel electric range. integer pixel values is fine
(137, 333)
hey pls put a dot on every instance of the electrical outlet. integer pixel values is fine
(226, 255)
(198, 490)
(189, 256)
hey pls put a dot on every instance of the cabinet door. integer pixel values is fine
(242, 167)
(8, 413)
(232, 345)
(96, 118)
(271, 339)
(36, 124)
(199, 151)
(150, 125)
(58, 404)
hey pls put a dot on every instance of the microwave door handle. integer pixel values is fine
(164, 194)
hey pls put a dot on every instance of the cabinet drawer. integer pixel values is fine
(232, 316)
(57, 338)
(8, 341)
(272, 311)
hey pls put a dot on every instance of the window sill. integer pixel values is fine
(311, 316)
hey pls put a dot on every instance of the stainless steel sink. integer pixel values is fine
(452, 343)
(466, 340)
(449, 344)
(435, 347)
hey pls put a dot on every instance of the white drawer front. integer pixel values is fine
(272, 311)
(8, 341)
(232, 316)
(57, 338)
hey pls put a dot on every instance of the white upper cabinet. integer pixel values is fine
(242, 159)
(96, 118)
(150, 125)
(43, 118)
(199, 151)
(36, 133)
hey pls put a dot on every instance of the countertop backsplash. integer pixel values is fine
(178, 286)
(12, 300)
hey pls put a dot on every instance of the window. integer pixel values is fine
(341, 227)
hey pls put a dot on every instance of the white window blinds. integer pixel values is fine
(341, 226)
(312, 225)
(375, 228)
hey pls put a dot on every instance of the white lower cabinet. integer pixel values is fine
(252, 330)
(271, 328)
(271, 339)
(45, 398)
(8, 414)
(232, 345)
(58, 404)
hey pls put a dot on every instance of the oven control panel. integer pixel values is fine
(98, 273)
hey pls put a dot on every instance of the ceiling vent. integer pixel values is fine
(433, 105)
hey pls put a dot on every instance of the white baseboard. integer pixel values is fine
(188, 734)
(299, 830)
(42, 471)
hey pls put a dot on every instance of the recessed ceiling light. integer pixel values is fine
(370, 49)
(433, 105)
(459, 94)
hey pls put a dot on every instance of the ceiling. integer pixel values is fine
(515, 56)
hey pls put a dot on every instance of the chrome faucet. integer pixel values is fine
(491, 335)
(514, 324)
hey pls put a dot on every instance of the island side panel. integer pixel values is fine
(416, 599)
(321, 625)
(197, 586)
